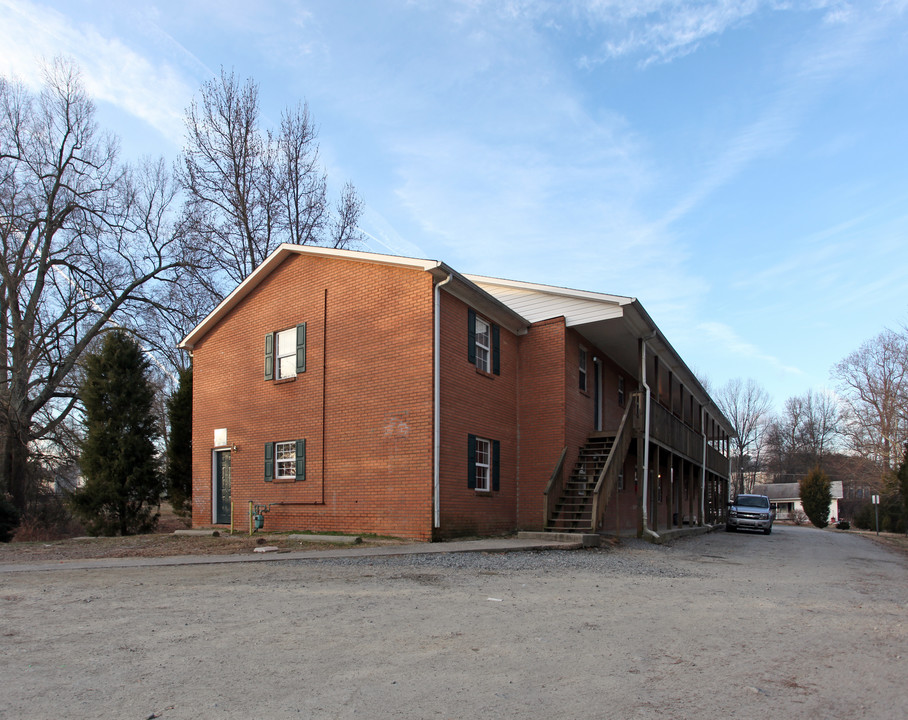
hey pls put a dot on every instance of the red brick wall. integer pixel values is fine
(375, 377)
(579, 403)
(541, 415)
(481, 404)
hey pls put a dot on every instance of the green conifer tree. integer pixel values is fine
(816, 496)
(179, 447)
(119, 458)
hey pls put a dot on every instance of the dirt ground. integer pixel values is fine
(163, 543)
(160, 545)
(802, 623)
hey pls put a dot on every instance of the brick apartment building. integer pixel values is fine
(355, 392)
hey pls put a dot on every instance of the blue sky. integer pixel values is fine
(739, 167)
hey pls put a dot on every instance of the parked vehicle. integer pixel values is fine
(750, 512)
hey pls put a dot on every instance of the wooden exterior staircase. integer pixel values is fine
(578, 504)
(573, 510)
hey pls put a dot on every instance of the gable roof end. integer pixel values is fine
(461, 287)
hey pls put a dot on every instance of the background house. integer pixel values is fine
(355, 392)
(786, 498)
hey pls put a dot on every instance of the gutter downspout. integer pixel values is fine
(645, 508)
(436, 411)
(703, 468)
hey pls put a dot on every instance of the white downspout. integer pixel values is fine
(703, 468)
(436, 420)
(646, 387)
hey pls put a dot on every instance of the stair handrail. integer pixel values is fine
(610, 470)
(556, 483)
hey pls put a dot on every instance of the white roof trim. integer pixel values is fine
(278, 256)
(552, 290)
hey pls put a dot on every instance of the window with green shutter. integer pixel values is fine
(285, 461)
(483, 464)
(483, 343)
(285, 353)
(269, 356)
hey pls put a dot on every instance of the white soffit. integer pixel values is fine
(540, 302)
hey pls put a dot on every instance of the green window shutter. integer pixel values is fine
(269, 462)
(269, 356)
(471, 462)
(471, 336)
(300, 460)
(496, 350)
(301, 348)
(496, 461)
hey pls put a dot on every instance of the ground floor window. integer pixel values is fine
(285, 460)
(483, 457)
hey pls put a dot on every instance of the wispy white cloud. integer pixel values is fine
(659, 30)
(722, 336)
(112, 71)
(807, 74)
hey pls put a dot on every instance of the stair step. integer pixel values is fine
(572, 512)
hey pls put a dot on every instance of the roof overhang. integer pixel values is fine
(615, 323)
(460, 286)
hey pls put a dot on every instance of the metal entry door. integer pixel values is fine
(222, 487)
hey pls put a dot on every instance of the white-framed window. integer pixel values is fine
(483, 345)
(285, 353)
(285, 460)
(483, 460)
(483, 463)
(582, 361)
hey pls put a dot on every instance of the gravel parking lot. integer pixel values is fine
(800, 623)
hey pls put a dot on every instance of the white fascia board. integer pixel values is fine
(282, 252)
(464, 289)
(552, 290)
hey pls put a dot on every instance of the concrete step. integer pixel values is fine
(586, 539)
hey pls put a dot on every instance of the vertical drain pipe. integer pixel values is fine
(436, 420)
(324, 385)
(646, 387)
(703, 468)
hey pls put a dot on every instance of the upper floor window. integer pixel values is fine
(583, 361)
(483, 343)
(621, 390)
(285, 353)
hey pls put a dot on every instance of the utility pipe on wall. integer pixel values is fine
(436, 420)
(646, 439)
(703, 468)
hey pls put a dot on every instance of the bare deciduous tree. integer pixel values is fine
(803, 435)
(874, 384)
(746, 404)
(84, 242)
(249, 190)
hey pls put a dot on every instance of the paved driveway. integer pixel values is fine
(800, 623)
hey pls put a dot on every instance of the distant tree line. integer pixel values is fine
(857, 434)
(93, 245)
